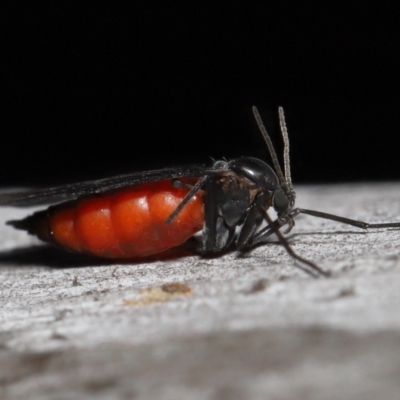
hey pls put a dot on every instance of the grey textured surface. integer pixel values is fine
(245, 327)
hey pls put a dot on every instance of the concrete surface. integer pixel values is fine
(249, 326)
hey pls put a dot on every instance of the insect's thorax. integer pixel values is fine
(246, 181)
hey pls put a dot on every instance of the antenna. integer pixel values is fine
(270, 145)
(286, 157)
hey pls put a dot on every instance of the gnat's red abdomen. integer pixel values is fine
(125, 224)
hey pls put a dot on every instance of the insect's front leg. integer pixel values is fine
(249, 229)
(262, 235)
(347, 221)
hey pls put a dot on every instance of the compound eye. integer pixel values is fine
(280, 202)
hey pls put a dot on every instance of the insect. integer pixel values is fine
(140, 214)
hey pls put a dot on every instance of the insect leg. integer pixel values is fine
(186, 199)
(217, 235)
(252, 222)
(266, 232)
(291, 252)
(347, 221)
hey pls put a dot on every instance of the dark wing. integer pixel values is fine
(27, 198)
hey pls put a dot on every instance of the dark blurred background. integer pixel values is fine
(91, 88)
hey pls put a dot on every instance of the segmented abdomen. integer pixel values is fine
(125, 224)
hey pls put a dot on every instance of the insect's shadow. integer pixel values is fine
(47, 256)
(294, 235)
(51, 257)
(273, 240)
